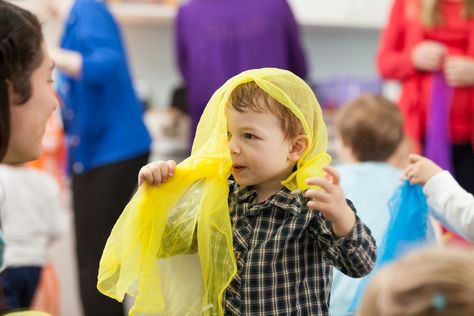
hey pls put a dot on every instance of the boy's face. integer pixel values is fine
(259, 150)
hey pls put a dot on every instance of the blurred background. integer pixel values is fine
(339, 39)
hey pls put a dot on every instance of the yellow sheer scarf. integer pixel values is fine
(185, 222)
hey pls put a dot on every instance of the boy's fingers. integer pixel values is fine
(145, 174)
(171, 167)
(321, 207)
(140, 177)
(316, 205)
(152, 176)
(320, 182)
(156, 172)
(317, 195)
(160, 172)
(333, 174)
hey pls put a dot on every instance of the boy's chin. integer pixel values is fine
(242, 182)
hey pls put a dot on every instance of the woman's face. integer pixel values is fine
(28, 121)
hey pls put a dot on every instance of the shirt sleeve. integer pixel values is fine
(451, 204)
(57, 215)
(393, 57)
(354, 254)
(102, 52)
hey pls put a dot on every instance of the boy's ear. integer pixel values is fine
(298, 148)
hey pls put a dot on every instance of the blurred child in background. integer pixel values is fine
(433, 281)
(369, 130)
(451, 204)
(32, 217)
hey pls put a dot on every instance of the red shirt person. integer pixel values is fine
(424, 38)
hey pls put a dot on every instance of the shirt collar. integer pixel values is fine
(245, 193)
(292, 202)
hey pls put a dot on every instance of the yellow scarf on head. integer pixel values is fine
(149, 252)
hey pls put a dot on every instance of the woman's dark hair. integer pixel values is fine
(20, 54)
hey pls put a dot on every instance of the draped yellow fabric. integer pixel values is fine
(171, 249)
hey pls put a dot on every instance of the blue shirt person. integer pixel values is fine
(106, 135)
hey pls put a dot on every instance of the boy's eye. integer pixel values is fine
(50, 81)
(249, 136)
(229, 135)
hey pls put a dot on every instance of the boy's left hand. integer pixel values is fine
(331, 202)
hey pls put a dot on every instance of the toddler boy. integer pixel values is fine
(265, 128)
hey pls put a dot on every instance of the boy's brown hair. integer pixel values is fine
(371, 126)
(250, 97)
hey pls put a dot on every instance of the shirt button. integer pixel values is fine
(64, 88)
(77, 167)
(238, 255)
(74, 140)
(68, 114)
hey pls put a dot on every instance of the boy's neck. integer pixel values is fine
(269, 188)
(264, 192)
(263, 196)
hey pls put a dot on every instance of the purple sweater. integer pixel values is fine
(217, 39)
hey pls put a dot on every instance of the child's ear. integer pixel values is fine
(298, 148)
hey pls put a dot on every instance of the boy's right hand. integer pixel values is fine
(156, 172)
(421, 169)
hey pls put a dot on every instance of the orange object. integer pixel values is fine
(47, 297)
(451, 238)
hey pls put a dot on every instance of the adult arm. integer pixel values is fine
(98, 42)
(393, 57)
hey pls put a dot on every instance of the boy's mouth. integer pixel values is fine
(238, 168)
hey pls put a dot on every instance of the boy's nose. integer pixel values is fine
(233, 147)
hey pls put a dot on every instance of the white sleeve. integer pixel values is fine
(58, 218)
(451, 204)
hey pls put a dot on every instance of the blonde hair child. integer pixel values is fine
(427, 282)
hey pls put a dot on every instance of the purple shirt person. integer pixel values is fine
(217, 39)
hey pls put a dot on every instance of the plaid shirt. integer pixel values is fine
(285, 253)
